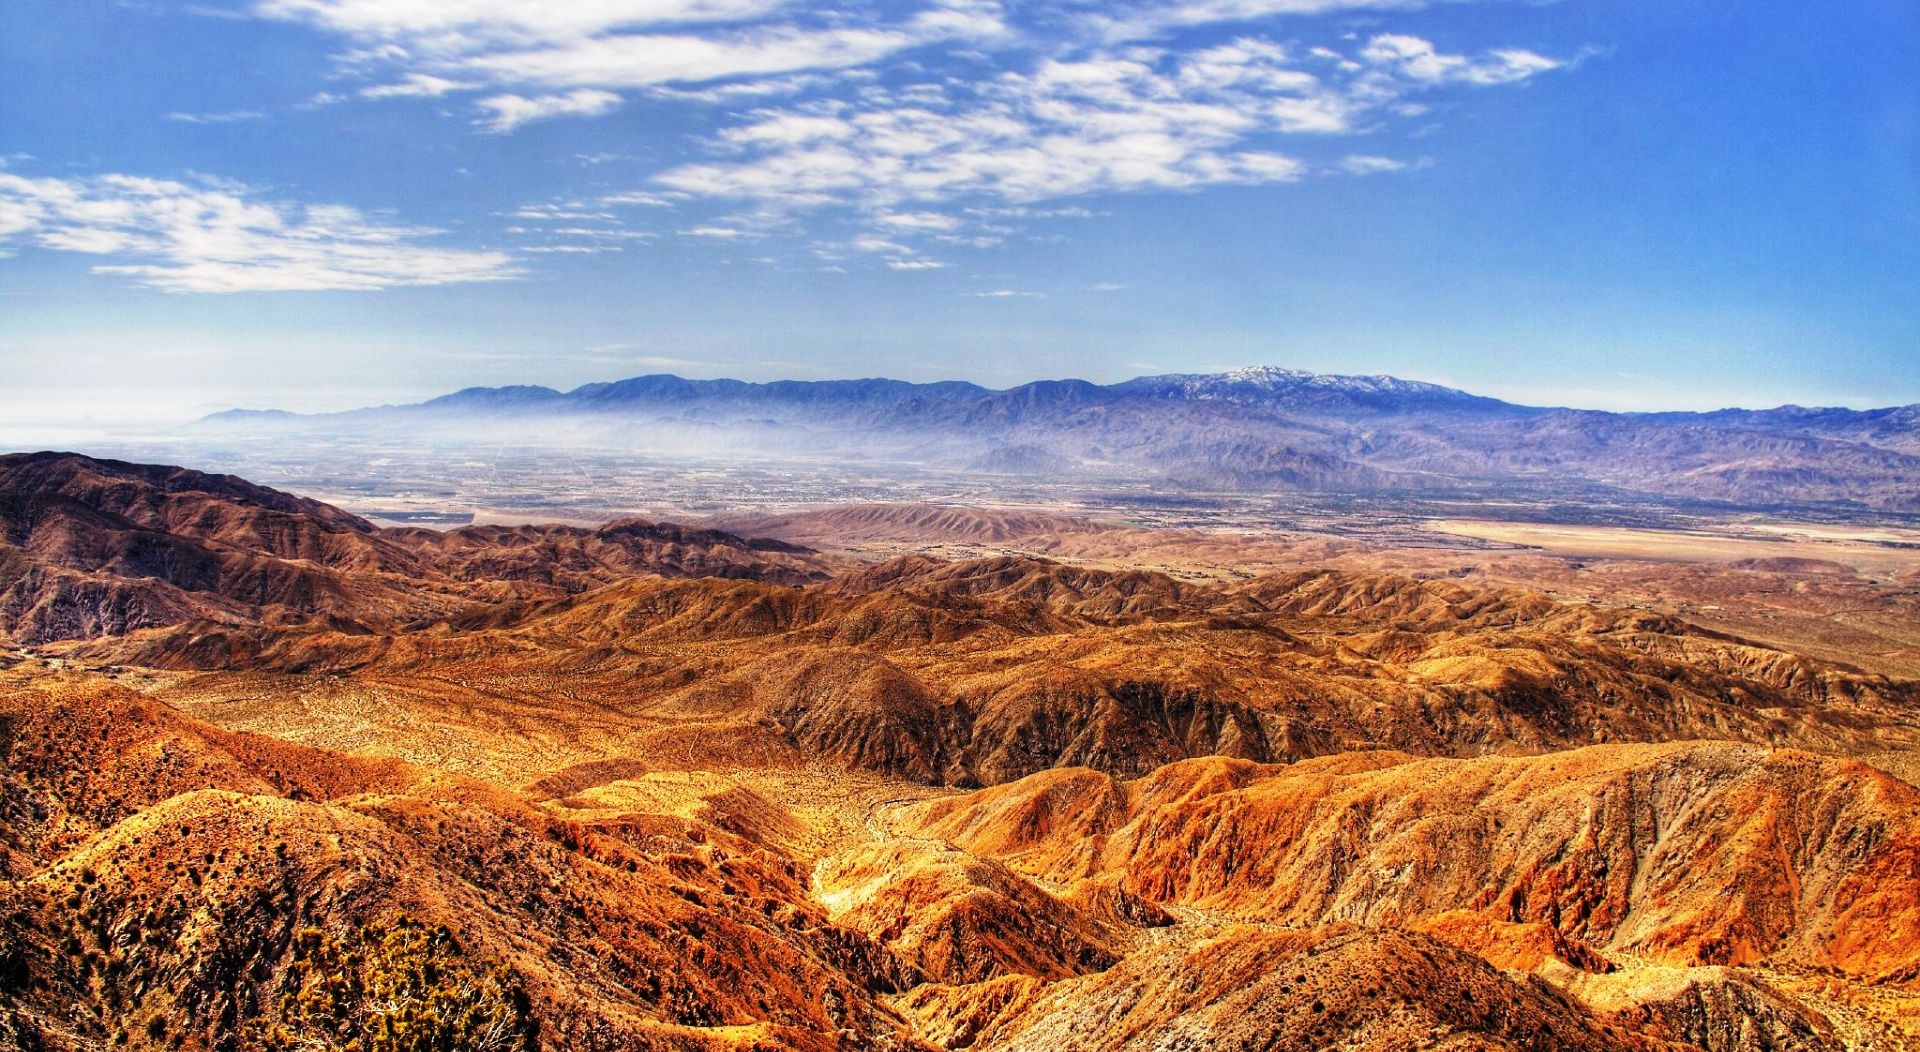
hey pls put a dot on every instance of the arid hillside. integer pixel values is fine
(274, 778)
(978, 673)
(96, 547)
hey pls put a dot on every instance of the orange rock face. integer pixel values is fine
(1687, 853)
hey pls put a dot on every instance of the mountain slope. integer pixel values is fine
(660, 787)
(1683, 854)
(99, 547)
(1252, 430)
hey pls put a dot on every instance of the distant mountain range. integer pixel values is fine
(1256, 430)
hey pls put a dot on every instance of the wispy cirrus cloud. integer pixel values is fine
(642, 60)
(504, 113)
(458, 24)
(917, 221)
(221, 117)
(213, 236)
(415, 86)
(1366, 164)
(1141, 19)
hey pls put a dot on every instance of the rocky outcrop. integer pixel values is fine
(1248, 990)
(1686, 854)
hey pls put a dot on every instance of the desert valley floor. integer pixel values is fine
(910, 777)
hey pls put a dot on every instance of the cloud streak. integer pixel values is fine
(1143, 19)
(437, 46)
(224, 117)
(216, 237)
(504, 113)
(1137, 119)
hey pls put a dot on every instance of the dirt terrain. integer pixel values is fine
(911, 777)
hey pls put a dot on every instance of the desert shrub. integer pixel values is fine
(402, 987)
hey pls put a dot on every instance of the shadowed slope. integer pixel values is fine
(98, 547)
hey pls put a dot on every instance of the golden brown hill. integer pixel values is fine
(133, 902)
(102, 547)
(170, 870)
(1086, 596)
(1249, 990)
(97, 547)
(1685, 853)
(980, 673)
(194, 895)
(907, 524)
(82, 756)
(180, 500)
(961, 919)
(1304, 809)
(575, 559)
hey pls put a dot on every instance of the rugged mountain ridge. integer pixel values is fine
(972, 672)
(92, 547)
(1252, 430)
(659, 787)
(1681, 854)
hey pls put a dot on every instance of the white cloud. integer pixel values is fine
(755, 87)
(1362, 164)
(567, 210)
(837, 109)
(971, 240)
(915, 264)
(639, 197)
(644, 60)
(879, 244)
(1006, 294)
(451, 21)
(1148, 18)
(416, 85)
(210, 236)
(603, 233)
(917, 221)
(1138, 119)
(621, 43)
(226, 117)
(1418, 60)
(512, 111)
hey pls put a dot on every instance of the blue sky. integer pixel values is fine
(324, 203)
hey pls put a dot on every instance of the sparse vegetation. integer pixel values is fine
(401, 987)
